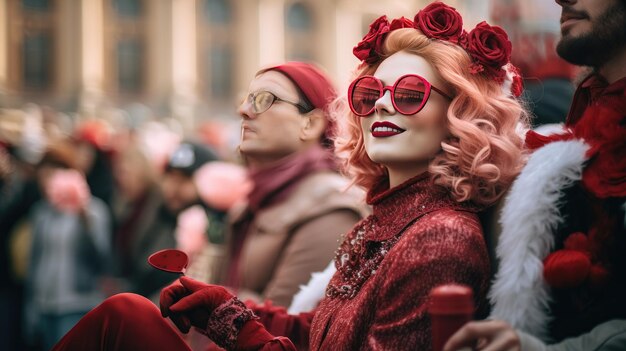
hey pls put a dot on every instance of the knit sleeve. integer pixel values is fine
(234, 326)
(278, 322)
(448, 248)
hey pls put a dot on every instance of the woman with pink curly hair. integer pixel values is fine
(431, 132)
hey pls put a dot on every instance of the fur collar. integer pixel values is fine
(530, 214)
(313, 292)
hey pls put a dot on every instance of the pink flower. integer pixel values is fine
(190, 232)
(222, 184)
(67, 190)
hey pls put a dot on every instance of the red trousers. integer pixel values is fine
(123, 322)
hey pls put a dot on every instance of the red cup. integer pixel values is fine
(450, 307)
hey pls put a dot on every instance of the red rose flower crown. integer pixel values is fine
(488, 46)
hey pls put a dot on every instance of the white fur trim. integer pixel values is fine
(519, 294)
(313, 292)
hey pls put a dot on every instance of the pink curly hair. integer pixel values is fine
(484, 152)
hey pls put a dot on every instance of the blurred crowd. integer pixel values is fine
(85, 201)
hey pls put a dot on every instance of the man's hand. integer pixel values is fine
(492, 335)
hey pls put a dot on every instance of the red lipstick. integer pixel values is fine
(385, 129)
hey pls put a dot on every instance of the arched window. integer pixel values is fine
(216, 51)
(217, 11)
(299, 18)
(36, 5)
(37, 55)
(299, 32)
(129, 59)
(128, 8)
(33, 25)
(126, 44)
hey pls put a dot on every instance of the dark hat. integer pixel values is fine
(189, 157)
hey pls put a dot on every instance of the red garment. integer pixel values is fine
(129, 322)
(595, 90)
(594, 209)
(434, 241)
(440, 241)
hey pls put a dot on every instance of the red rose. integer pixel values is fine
(601, 123)
(603, 128)
(369, 48)
(605, 173)
(440, 21)
(401, 22)
(490, 47)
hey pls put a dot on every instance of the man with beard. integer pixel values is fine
(561, 283)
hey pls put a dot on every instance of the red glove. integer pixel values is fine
(190, 303)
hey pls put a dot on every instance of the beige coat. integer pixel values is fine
(292, 239)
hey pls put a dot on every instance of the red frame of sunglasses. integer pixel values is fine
(381, 89)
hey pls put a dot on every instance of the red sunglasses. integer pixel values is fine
(408, 95)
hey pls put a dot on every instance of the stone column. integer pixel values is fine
(4, 49)
(271, 32)
(184, 62)
(92, 56)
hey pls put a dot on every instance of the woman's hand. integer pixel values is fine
(188, 302)
(492, 335)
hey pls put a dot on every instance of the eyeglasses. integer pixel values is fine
(261, 101)
(408, 95)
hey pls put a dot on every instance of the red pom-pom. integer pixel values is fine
(598, 276)
(566, 269)
(577, 241)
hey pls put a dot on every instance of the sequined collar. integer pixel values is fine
(361, 252)
(396, 208)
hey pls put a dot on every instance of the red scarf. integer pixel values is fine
(272, 185)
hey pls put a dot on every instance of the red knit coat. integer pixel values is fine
(439, 241)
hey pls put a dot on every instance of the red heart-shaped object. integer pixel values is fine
(169, 260)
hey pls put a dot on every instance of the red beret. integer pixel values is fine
(316, 87)
(313, 83)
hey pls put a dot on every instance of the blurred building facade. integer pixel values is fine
(188, 59)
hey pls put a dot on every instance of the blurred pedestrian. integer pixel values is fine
(70, 250)
(156, 229)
